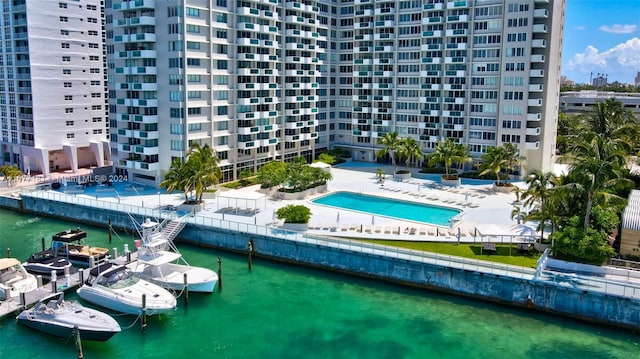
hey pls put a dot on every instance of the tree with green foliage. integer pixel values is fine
(244, 176)
(495, 161)
(611, 120)
(446, 153)
(294, 214)
(390, 143)
(513, 158)
(540, 188)
(598, 164)
(272, 174)
(10, 173)
(575, 244)
(199, 171)
(327, 158)
(409, 149)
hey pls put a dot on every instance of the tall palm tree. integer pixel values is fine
(599, 165)
(447, 152)
(513, 158)
(176, 178)
(540, 187)
(390, 143)
(205, 167)
(493, 161)
(611, 120)
(409, 149)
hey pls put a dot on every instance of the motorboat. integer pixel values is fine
(160, 262)
(44, 262)
(69, 245)
(14, 279)
(115, 287)
(56, 316)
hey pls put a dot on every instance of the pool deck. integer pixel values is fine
(479, 203)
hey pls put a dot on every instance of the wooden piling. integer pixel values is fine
(76, 331)
(23, 300)
(219, 273)
(144, 312)
(109, 230)
(186, 289)
(42, 240)
(249, 252)
(8, 252)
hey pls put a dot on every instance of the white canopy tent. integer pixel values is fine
(238, 202)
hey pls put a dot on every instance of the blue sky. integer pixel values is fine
(601, 36)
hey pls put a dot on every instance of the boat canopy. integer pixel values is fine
(70, 235)
(8, 263)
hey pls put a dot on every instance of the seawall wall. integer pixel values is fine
(517, 289)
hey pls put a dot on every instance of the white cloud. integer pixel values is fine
(618, 29)
(623, 58)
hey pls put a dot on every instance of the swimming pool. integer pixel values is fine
(405, 210)
(116, 189)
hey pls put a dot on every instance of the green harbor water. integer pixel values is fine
(284, 311)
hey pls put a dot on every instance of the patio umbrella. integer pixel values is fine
(338, 218)
(373, 219)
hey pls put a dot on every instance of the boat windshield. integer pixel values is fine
(119, 279)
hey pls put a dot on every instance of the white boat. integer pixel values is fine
(44, 262)
(115, 287)
(14, 279)
(160, 262)
(60, 318)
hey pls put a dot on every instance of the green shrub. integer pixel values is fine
(294, 214)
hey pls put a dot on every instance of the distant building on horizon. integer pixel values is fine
(574, 102)
(53, 109)
(564, 81)
(637, 79)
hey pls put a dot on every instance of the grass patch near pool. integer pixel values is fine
(469, 250)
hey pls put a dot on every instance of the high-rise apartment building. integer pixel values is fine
(260, 80)
(53, 109)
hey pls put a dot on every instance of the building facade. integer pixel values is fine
(575, 102)
(262, 80)
(53, 92)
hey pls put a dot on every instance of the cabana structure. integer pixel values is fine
(324, 166)
(490, 234)
(240, 202)
(630, 235)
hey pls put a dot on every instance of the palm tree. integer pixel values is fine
(493, 161)
(540, 187)
(176, 178)
(205, 166)
(611, 120)
(409, 149)
(390, 141)
(599, 165)
(447, 152)
(513, 158)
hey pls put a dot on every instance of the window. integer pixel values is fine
(193, 12)
(177, 145)
(222, 110)
(94, 58)
(70, 135)
(221, 3)
(193, 45)
(193, 28)
(92, 20)
(64, 32)
(221, 34)
(194, 94)
(93, 46)
(66, 71)
(92, 7)
(67, 84)
(96, 119)
(193, 62)
(175, 96)
(69, 123)
(68, 98)
(193, 78)
(96, 95)
(68, 110)
(66, 58)
(92, 33)
(64, 19)
(97, 131)
(222, 64)
(62, 5)
(176, 63)
(221, 17)
(96, 107)
(64, 45)
(94, 71)
(194, 110)
(176, 129)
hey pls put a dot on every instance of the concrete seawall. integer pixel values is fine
(403, 267)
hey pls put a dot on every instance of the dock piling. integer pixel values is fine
(186, 289)
(76, 332)
(109, 221)
(8, 252)
(23, 300)
(219, 273)
(144, 312)
(54, 282)
(42, 240)
(115, 252)
(39, 280)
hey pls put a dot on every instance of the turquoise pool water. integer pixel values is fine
(405, 210)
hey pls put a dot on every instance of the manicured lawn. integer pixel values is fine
(469, 250)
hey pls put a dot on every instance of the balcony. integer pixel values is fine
(539, 29)
(533, 131)
(534, 117)
(537, 58)
(432, 6)
(536, 73)
(532, 145)
(539, 43)
(434, 33)
(540, 13)
(534, 102)
(432, 20)
(536, 88)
